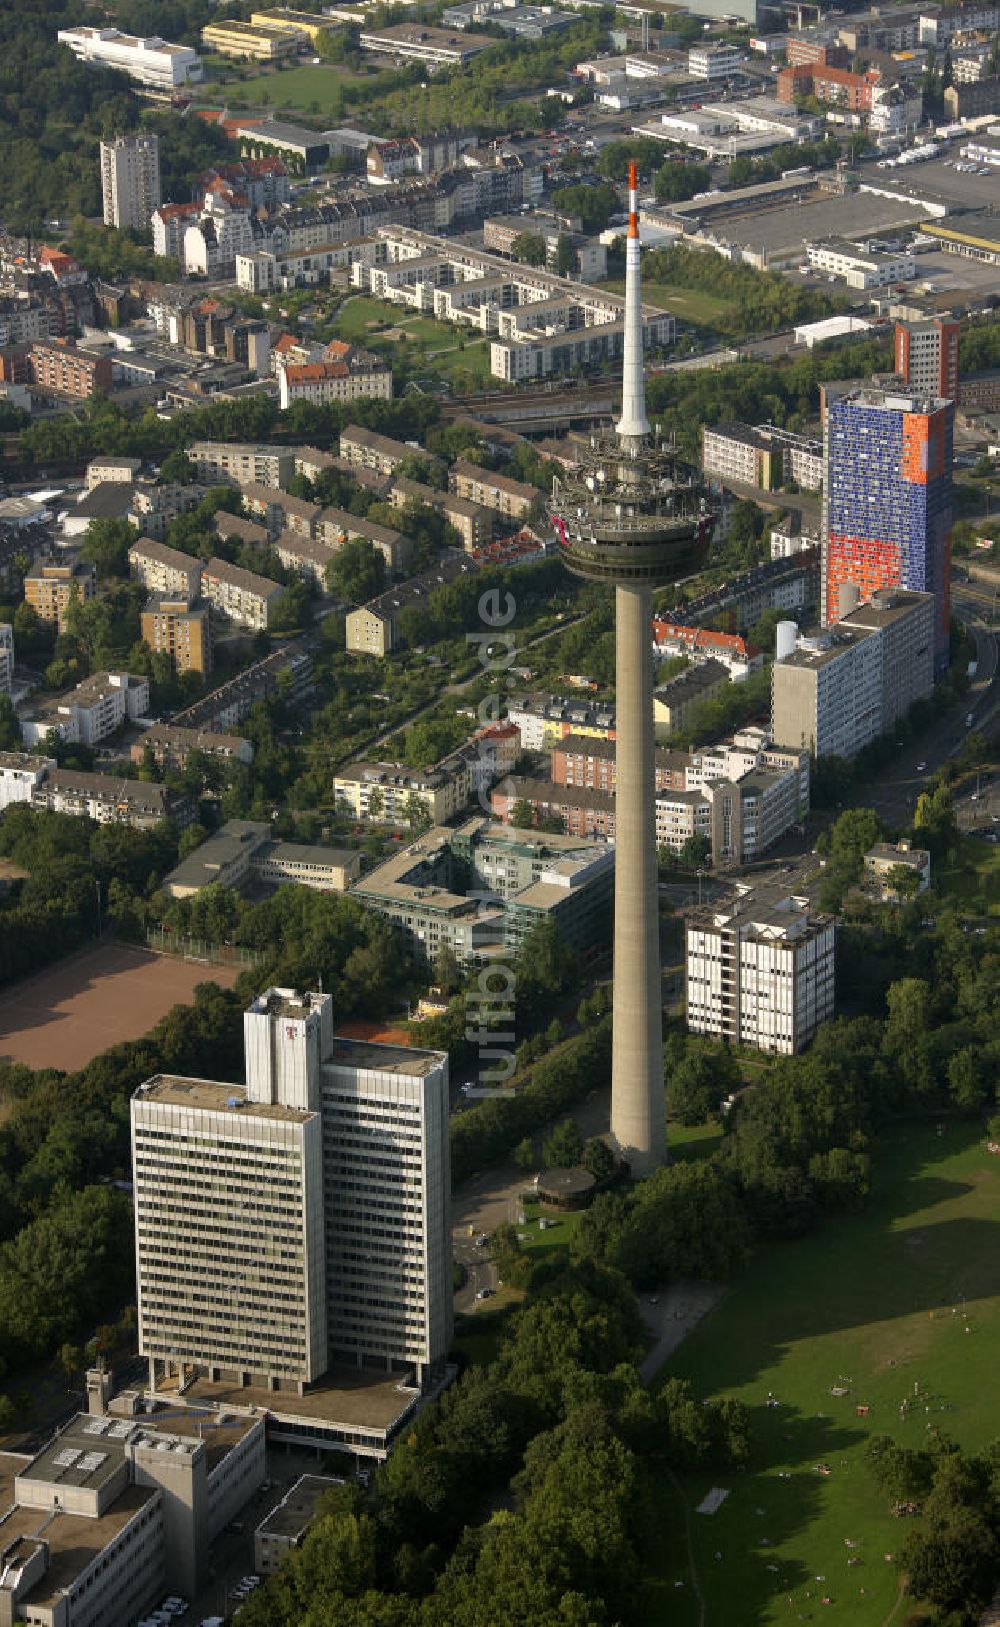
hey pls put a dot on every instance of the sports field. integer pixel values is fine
(896, 1308)
(77, 1008)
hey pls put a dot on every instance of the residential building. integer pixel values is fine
(287, 672)
(585, 760)
(436, 890)
(887, 500)
(762, 455)
(335, 1155)
(541, 720)
(51, 588)
(240, 464)
(739, 657)
(714, 62)
(760, 971)
(150, 62)
(577, 810)
(108, 800)
(927, 357)
(263, 182)
(676, 700)
(219, 231)
(171, 745)
(163, 569)
(885, 857)
(975, 99)
(843, 686)
(242, 852)
(112, 471)
(860, 266)
(6, 657)
(938, 26)
(89, 713)
(375, 628)
(169, 223)
(473, 523)
(306, 555)
(838, 87)
(360, 376)
(130, 179)
(250, 42)
(514, 499)
(57, 365)
(335, 526)
(393, 794)
(415, 42)
(174, 625)
(792, 536)
(366, 449)
(240, 596)
(279, 511)
(21, 773)
(229, 526)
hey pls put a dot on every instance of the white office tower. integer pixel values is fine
(301, 1219)
(130, 179)
(6, 657)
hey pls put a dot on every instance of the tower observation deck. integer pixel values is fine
(632, 514)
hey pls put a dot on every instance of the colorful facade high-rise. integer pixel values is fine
(887, 508)
(630, 514)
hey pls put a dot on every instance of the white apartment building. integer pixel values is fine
(760, 972)
(712, 62)
(242, 463)
(130, 179)
(6, 657)
(221, 231)
(352, 379)
(860, 266)
(90, 712)
(21, 773)
(239, 595)
(299, 1220)
(163, 569)
(790, 537)
(151, 62)
(385, 793)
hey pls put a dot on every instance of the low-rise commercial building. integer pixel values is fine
(286, 1526)
(859, 265)
(51, 588)
(250, 42)
(89, 713)
(714, 62)
(415, 42)
(760, 972)
(242, 852)
(240, 596)
(175, 625)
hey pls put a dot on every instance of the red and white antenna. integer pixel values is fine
(633, 426)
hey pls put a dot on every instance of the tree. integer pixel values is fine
(106, 545)
(356, 573)
(524, 1154)
(529, 248)
(598, 1159)
(566, 256)
(696, 851)
(903, 882)
(446, 971)
(563, 1146)
(177, 469)
(592, 205)
(522, 815)
(416, 814)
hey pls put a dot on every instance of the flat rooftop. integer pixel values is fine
(791, 225)
(349, 1396)
(74, 1541)
(211, 1097)
(294, 1514)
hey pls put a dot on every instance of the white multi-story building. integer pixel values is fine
(860, 266)
(300, 1220)
(21, 773)
(90, 712)
(239, 595)
(151, 62)
(163, 569)
(130, 179)
(220, 231)
(361, 376)
(712, 62)
(6, 657)
(760, 972)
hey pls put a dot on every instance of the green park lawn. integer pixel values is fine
(691, 304)
(432, 347)
(306, 89)
(972, 882)
(901, 1303)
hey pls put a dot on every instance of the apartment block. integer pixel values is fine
(577, 810)
(110, 801)
(843, 686)
(57, 365)
(130, 179)
(241, 464)
(374, 628)
(228, 526)
(369, 450)
(675, 701)
(739, 657)
(361, 376)
(335, 526)
(760, 972)
(115, 471)
(162, 569)
(392, 794)
(299, 1220)
(887, 504)
(542, 720)
(585, 760)
(511, 498)
(240, 596)
(278, 511)
(174, 625)
(927, 357)
(172, 745)
(98, 706)
(473, 523)
(21, 773)
(305, 555)
(762, 455)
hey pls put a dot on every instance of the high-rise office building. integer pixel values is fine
(887, 500)
(130, 179)
(301, 1219)
(927, 357)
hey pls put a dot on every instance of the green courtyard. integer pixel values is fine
(416, 345)
(885, 1322)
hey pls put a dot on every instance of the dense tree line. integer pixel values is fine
(762, 301)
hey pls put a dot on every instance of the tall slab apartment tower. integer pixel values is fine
(887, 500)
(299, 1221)
(633, 516)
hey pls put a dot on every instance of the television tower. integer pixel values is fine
(632, 514)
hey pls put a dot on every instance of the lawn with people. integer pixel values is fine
(883, 1323)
